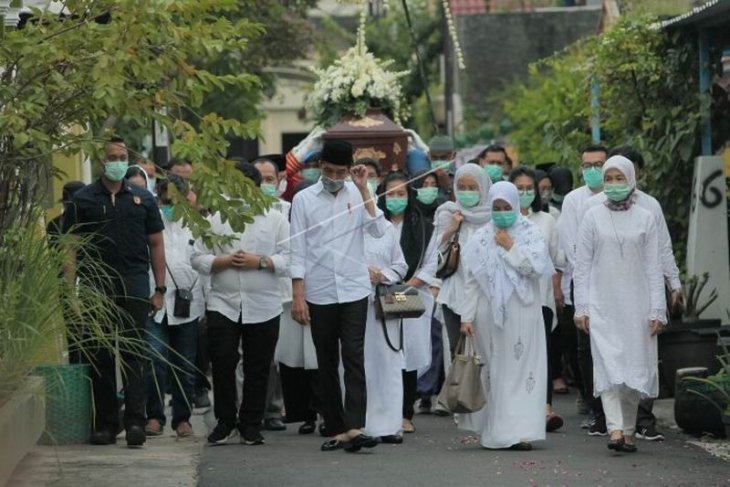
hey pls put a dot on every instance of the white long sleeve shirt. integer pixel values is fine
(253, 295)
(568, 226)
(666, 254)
(179, 248)
(327, 243)
(427, 271)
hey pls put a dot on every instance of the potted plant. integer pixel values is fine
(689, 341)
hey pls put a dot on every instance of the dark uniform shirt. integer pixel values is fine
(117, 233)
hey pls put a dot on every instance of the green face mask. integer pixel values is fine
(427, 195)
(526, 198)
(593, 177)
(504, 219)
(494, 171)
(440, 164)
(617, 191)
(269, 189)
(311, 174)
(373, 186)
(468, 199)
(116, 170)
(396, 205)
(166, 211)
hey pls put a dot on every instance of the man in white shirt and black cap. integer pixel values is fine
(331, 286)
(244, 307)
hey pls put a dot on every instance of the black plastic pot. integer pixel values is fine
(693, 413)
(687, 344)
(726, 423)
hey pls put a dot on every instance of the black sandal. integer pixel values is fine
(616, 445)
(628, 447)
(332, 445)
(307, 428)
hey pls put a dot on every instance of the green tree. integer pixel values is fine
(67, 83)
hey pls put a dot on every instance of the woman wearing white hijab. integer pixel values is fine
(469, 213)
(502, 314)
(619, 300)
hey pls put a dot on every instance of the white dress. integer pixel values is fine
(515, 355)
(547, 225)
(619, 286)
(383, 366)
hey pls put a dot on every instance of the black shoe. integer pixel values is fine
(201, 400)
(308, 428)
(274, 424)
(135, 436)
(425, 406)
(102, 437)
(359, 442)
(616, 445)
(332, 445)
(598, 428)
(521, 446)
(649, 433)
(221, 433)
(628, 448)
(251, 437)
(323, 431)
(392, 439)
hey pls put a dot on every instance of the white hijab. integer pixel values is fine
(477, 215)
(486, 260)
(625, 166)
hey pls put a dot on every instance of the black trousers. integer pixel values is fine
(335, 327)
(258, 341)
(299, 388)
(410, 386)
(547, 317)
(569, 337)
(202, 358)
(453, 328)
(585, 363)
(130, 328)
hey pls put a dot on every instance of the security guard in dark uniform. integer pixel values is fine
(122, 230)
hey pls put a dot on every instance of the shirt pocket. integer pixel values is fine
(265, 242)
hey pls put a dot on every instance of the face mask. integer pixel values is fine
(151, 184)
(558, 198)
(440, 164)
(396, 205)
(166, 211)
(494, 171)
(116, 170)
(593, 177)
(504, 219)
(468, 199)
(617, 191)
(283, 184)
(269, 189)
(311, 174)
(526, 198)
(332, 185)
(373, 186)
(545, 195)
(427, 195)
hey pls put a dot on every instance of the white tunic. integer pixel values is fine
(546, 223)
(383, 366)
(618, 285)
(515, 377)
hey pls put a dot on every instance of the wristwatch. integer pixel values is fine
(262, 263)
(161, 289)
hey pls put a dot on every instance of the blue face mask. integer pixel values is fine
(504, 219)
(166, 211)
(116, 170)
(468, 199)
(269, 190)
(494, 171)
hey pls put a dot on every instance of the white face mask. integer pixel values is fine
(282, 186)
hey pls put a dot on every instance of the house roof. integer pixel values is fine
(709, 14)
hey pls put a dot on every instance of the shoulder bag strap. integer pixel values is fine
(385, 327)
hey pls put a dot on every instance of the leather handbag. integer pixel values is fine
(399, 301)
(463, 391)
(448, 261)
(183, 297)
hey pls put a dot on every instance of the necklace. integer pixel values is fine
(620, 241)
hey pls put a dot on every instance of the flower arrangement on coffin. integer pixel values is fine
(355, 83)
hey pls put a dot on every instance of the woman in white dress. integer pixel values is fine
(506, 259)
(469, 212)
(620, 301)
(531, 208)
(383, 365)
(413, 231)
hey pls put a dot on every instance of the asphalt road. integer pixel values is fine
(439, 454)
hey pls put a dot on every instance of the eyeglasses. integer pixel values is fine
(592, 165)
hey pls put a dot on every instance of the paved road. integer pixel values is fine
(439, 454)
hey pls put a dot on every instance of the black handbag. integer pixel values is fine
(183, 298)
(398, 301)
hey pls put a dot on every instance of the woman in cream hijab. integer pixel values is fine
(619, 300)
(505, 260)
